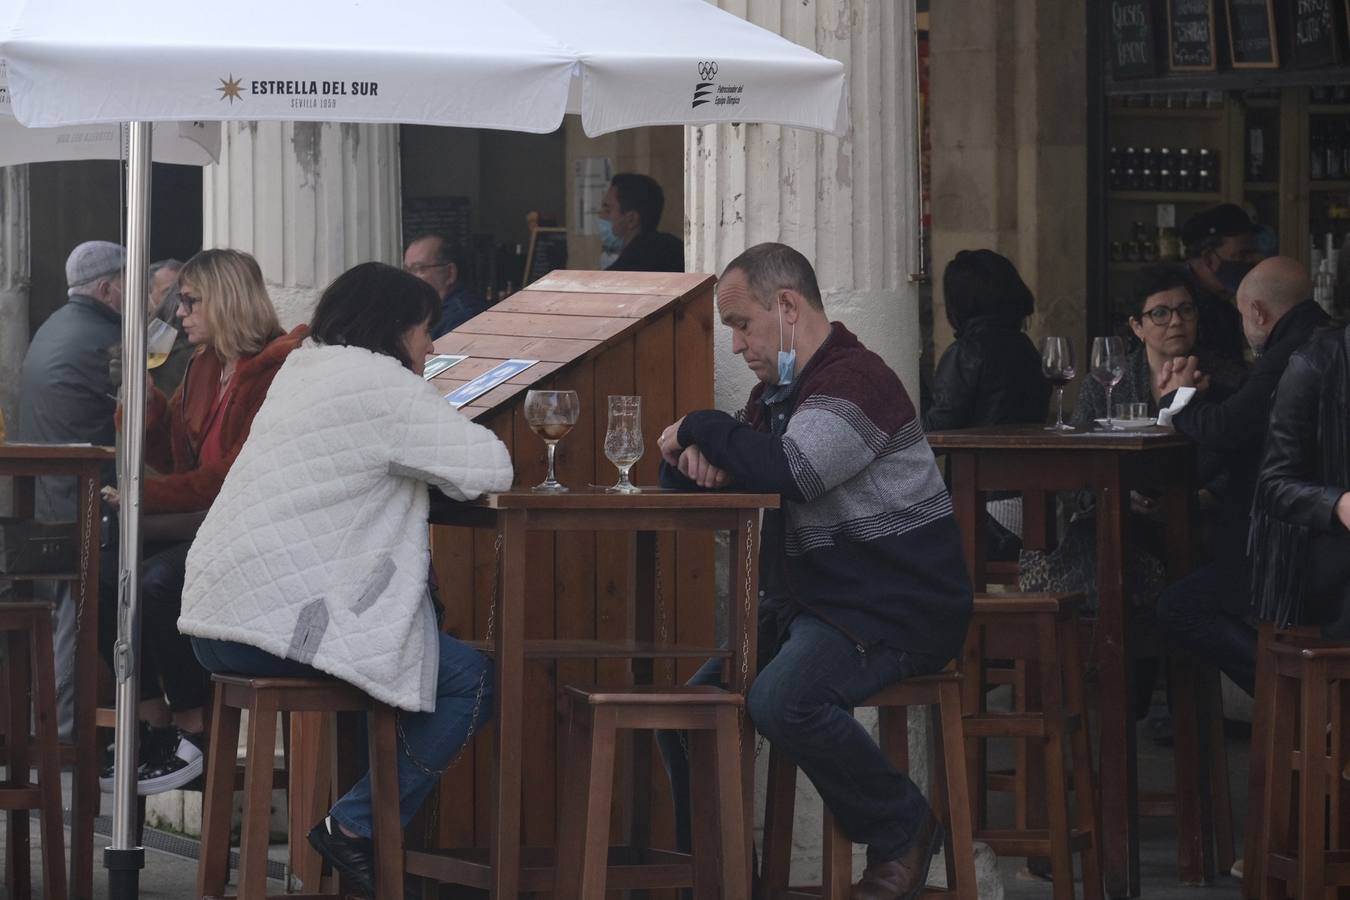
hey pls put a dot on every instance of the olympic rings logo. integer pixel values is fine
(707, 71)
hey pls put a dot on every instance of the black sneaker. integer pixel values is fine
(173, 769)
(352, 857)
(151, 744)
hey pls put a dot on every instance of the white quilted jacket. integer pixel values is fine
(317, 548)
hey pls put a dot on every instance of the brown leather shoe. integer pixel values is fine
(903, 878)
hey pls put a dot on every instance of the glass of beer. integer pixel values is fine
(623, 440)
(159, 343)
(551, 415)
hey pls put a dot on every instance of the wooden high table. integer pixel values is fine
(25, 462)
(507, 870)
(1034, 461)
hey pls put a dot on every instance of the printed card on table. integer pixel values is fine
(437, 364)
(487, 381)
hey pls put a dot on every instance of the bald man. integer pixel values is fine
(1207, 610)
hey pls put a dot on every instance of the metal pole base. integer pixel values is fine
(124, 872)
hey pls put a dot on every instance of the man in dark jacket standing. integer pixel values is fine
(863, 582)
(1221, 249)
(631, 213)
(66, 396)
(1207, 610)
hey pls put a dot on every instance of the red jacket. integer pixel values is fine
(173, 427)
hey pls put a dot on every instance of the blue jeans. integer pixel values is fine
(428, 741)
(802, 701)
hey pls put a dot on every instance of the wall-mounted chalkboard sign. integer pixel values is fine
(1132, 43)
(548, 251)
(1251, 34)
(1313, 37)
(1190, 35)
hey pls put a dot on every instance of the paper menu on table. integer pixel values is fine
(435, 365)
(498, 374)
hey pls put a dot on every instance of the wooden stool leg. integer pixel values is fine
(1313, 782)
(49, 760)
(1279, 779)
(217, 805)
(1216, 756)
(1194, 862)
(703, 809)
(386, 824)
(1084, 779)
(595, 853)
(975, 700)
(961, 846)
(309, 795)
(1254, 845)
(731, 810)
(17, 840)
(1056, 797)
(778, 812)
(262, 743)
(576, 802)
(836, 860)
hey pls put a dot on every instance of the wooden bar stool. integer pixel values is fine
(1304, 857)
(711, 717)
(1040, 630)
(949, 796)
(30, 678)
(264, 698)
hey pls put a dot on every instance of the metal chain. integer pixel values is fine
(746, 625)
(482, 677)
(68, 676)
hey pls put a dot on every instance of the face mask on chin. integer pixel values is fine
(609, 241)
(787, 359)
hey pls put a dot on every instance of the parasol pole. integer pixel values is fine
(124, 859)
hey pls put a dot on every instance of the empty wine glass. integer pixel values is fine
(551, 414)
(159, 340)
(623, 440)
(1057, 366)
(1108, 367)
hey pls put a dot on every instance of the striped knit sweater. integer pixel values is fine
(866, 539)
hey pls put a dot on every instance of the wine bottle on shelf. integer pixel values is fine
(1317, 157)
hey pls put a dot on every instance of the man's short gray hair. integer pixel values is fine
(172, 265)
(771, 267)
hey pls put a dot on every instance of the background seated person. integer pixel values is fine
(629, 217)
(1300, 545)
(991, 374)
(192, 439)
(862, 576)
(313, 558)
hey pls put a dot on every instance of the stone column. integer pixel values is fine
(14, 238)
(308, 199)
(850, 205)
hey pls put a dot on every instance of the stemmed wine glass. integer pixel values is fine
(1108, 367)
(623, 440)
(1057, 366)
(159, 340)
(551, 414)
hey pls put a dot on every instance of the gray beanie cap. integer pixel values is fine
(93, 260)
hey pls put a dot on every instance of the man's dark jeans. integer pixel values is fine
(802, 701)
(1196, 611)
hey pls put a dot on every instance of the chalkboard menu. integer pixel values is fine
(1190, 35)
(1132, 39)
(449, 216)
(1251, 34)
(548, 251)
(1313, 39)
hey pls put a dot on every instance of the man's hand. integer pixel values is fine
(111, 496)
(1343, 509)
(695, 466)
(669, 443)
(1179, 373)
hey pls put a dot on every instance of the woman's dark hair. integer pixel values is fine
(1155, 279)
(373, 306)
(980, 283)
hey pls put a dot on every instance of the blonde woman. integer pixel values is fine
(191, 440)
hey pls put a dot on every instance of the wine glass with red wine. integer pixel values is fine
(1057, 366)
(551, 415)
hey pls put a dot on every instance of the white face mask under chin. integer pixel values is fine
(787, 359)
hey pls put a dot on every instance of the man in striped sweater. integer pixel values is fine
(863, 582)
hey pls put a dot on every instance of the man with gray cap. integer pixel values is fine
(67, 396)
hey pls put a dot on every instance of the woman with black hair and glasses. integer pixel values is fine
(315, 555)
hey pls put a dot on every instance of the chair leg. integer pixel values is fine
(1216, 756)
(576, 802)
(49, 762)
(1279, 780)
(974, 700)
(1080, 744)
(308, 796)
(836, 860)
(1052, 753)
(387, 824)
(1194, 862)
(262, 742)
(1254, 844)
(778, 812)
(595, 853)
(218, 803)
(951, 771)
(1313, 782)
(704, 808)
(17, 839)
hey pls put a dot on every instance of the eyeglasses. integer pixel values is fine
(188, 301)
(1162, 315)
(418, 268)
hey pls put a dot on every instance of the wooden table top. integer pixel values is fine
(588, 498)
(55, 452)
(1035, 437)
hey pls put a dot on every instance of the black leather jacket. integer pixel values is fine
(1305, 470)
(991, 375)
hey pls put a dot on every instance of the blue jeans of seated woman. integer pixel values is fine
(802, 702)
(427, 741)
